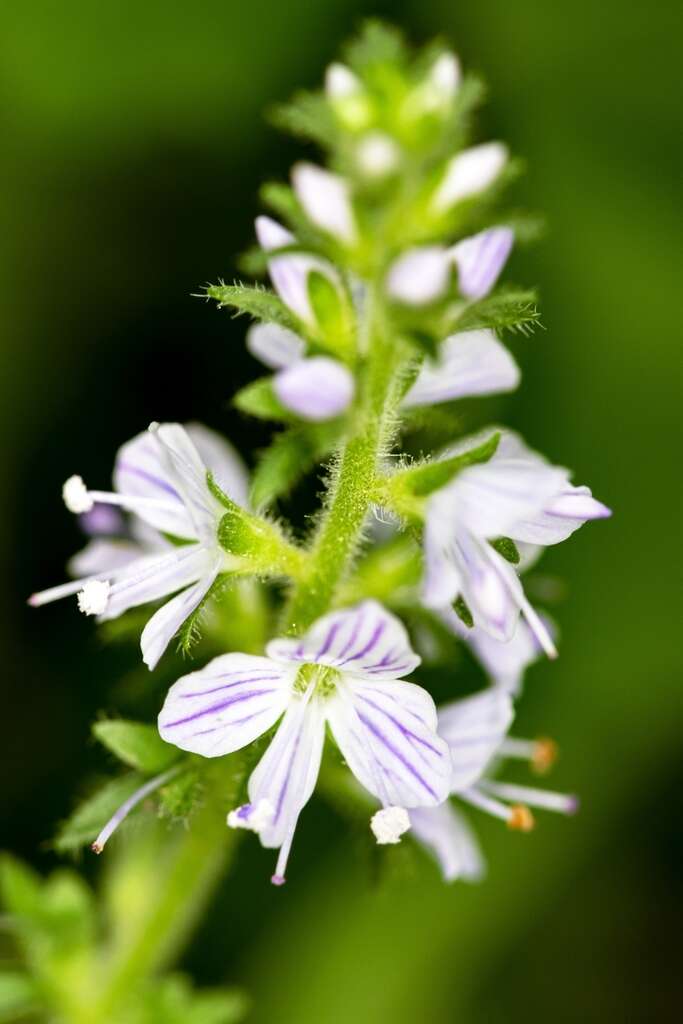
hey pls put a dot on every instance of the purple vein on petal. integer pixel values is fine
(220, 706)
(378, 734)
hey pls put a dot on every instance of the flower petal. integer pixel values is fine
(140, 472)
(156, 576)
(316, 389)
(469, 363)
(490, 586)
(386, 732)
(567, 510)
(102, 557)
(419, 276)
(185, 467)
(275, 346)
(289, 272)
(445, 832)
(286, 774)
(223, 460)
(480, 259)
(505, 663)
(366, 641)
(474, 728)
(469, 173)
(225, 705)
(326, 200)
(166, 622)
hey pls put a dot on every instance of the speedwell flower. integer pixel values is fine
(161, 477)
(516, 495)
(346, 671)
(469, 363)
(476, 732)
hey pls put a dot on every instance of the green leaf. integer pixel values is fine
(136, 744)
(94, 813)
(20, 886)
(376, 43)
(506, 310)
(258, 399)
(258, 302)
(430, 476)
(306, 116)
(506, 547)
(292, 454)
(19, 995)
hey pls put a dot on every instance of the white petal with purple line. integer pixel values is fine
(468, 363)
(286, 774)
(275, 346)
(184, 465)
(102, 557)
(446, 834)
(365, 640)
(222, 459)
(566, 511)
(225, 705)
(480, 259)
(140, 472)
(316, 389)
(156, 576)
(387, 734)
(474, 728)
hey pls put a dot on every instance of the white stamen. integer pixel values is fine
(253, 817)
(563, 803)
(389, 824)
(94, 597)
(486, 803)
(128, 806)
(539, 629)
(76, 496)
(524, 750)
(377, 155)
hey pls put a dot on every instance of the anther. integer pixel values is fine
(75, 495)
(521, 819)
(544, 756)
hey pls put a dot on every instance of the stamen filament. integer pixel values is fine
(486, 803)
(128, 805)
(131, 501)
(563, 803)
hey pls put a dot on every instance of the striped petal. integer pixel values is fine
(225, 705)
(474, 728)
(140, 472)
(184, 466)
(480, 259)
(316, 389)
(285, 777)
(366, 641)
(386, 732)
(166, 622)
(469, 363)
(275, 346)
(505, 663)
(156, 576)
(222, 459)
(446, 834)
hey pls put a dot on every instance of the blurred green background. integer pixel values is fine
(134, 144)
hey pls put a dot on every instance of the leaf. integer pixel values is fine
(506, 310)
(258, 302)
(306, 116)
(20, 886)
(376, 43)
(430, 476)
(137, 744)
(259, 399)
(93, 814)
(292, 454)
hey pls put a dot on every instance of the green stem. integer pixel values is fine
(351, 485)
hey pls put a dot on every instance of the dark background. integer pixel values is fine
(134, 145)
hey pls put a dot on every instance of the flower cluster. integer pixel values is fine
(384, 305)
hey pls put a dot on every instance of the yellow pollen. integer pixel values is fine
(521, 819)
(544, 756)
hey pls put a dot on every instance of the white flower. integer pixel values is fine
(468, 363)
(316, 388)
(475, 730)
(346, 671)
(469, 173)
(516, 494)
(326, 200)
(161, 477)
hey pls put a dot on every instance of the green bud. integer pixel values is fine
(332, 314)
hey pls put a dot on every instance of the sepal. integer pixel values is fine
(423, 479)
(258, 302)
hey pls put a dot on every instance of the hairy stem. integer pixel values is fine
(351, 483)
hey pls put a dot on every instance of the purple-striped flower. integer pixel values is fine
(518, 495)
(316, 388)
(346, 671)
(475, 730)
(469, 363)
(161, 477)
